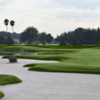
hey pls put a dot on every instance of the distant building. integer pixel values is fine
(16, 40)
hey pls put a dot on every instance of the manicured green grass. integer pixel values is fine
(85, 59)
(45, 48)
(9, 79)
(41, 57)
(1, 94)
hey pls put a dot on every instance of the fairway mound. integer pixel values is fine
(1, 94)
(9, 79)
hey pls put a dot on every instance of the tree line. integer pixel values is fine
(80, 36)
(29, 35)
(5, 37)
(8, 40)
(14, 35)
(32, 35)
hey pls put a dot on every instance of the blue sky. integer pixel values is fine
(50, 16)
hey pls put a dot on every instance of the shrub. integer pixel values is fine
(13, 59)
(63, 43)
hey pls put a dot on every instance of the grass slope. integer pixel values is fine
(1, 94)
(46, 48)
(9, 79)
(86, 59)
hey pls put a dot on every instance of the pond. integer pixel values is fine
(22, 52)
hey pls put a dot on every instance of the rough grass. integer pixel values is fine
(46, 48)
(9, 79)
(1, 94)
(41, 57)
(85, 60)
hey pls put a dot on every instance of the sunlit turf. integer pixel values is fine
(42, 57)
(84, 61)
(45, 48)
(9, 79)
(1, 94)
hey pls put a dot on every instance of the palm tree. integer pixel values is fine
(6, 21)
(12, 24)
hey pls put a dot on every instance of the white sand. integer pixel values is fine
(47, 85)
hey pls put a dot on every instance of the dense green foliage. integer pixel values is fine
(9, 40)
(30, 34)
(2, 40)
(1, 94)
(14, 35)
(49, 38)
(9, 79)
(63, 43)
(81, 36)
(43, 38)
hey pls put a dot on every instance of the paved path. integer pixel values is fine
(48, 85)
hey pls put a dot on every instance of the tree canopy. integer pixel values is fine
(43, 37)
(2, 40)
(30, 34)
(9, 40)
(49, 38)
(81, 36)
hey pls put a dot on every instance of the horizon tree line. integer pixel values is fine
(8, 40)
(79, 36)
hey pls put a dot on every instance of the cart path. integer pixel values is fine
(48, 85)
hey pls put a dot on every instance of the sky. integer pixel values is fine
(50, 16)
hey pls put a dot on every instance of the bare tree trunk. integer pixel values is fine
(6, 28)
(12, 29)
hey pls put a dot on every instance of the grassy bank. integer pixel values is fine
(46, 47)
(1, 94)
(85, 59)
(9, 79)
